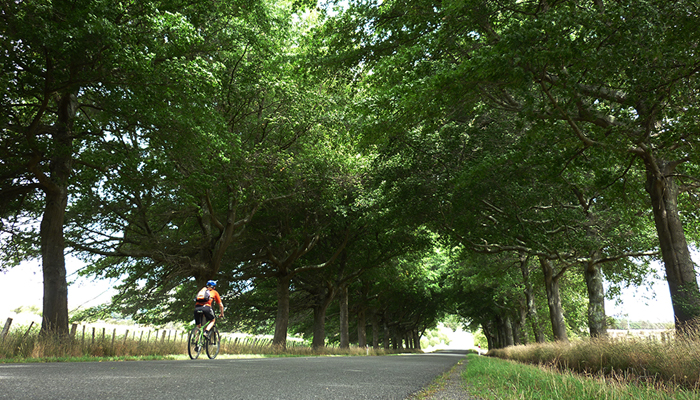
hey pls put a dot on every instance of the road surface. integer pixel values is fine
(383, 377)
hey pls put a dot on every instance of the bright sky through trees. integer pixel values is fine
(649, 303)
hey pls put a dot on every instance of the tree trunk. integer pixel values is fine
(55, 303)
(597, 324)
(282, 319)
(55, 307)
(387, 335)
(556, 313)
(490, 337)
(508, 331)
(501, 337)
(344, 317)
(517, 333)
(375, 330)
(361, 328)
(539, 333)
(398, 339)
(319, 329)
(680, 272)
(416, 339)
(521, 333)
(323, 300)
(530, 299)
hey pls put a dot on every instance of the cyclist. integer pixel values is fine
(205, 307)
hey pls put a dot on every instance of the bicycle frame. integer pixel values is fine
(197, 341)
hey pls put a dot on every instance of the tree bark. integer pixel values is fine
(530, 301)
(344, 317)
(319, 329)
(387, 335)
(55, 303)
(375, 330)
(361, 328)
(510, 337)
(282, 319)
(680, 271)
(501, 332)
(597, 325)
(556, 313)
(517, 332)
(487, 328)
(416, 339)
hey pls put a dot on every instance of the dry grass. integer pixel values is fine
(27, 344)
(24, 344)
(671, 362)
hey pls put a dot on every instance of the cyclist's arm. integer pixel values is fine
(217, 298)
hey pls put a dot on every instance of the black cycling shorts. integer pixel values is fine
(207, 311)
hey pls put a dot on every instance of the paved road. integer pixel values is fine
(387, 377)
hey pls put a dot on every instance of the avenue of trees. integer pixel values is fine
(355, 171)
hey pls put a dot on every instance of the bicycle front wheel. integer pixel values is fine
(194, 343)
(214, 343)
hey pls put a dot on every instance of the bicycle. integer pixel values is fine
(198, 341)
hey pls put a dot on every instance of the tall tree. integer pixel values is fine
(574, 77)
(594, 69)
(187, 193)
(66, 66)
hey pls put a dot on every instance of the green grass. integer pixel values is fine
(492, 378)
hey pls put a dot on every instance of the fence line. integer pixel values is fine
(162, 334)
(166, 335)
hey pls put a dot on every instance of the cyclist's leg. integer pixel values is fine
(211, 318)
(197, 317)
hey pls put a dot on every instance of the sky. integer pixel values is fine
(82, 292)
(649, 303)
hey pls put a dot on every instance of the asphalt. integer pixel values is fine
(383, 377)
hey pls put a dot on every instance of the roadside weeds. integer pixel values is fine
(448, 386)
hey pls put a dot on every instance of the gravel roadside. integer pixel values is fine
(449, 386)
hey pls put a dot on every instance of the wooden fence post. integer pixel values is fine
(28, 329)
(126, 336)
(114, 335)
(73, 329)
(6, 328)
(93, 335)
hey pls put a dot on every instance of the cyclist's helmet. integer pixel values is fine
(211, 283)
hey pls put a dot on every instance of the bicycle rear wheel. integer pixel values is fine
(194, 345)
(214, 343)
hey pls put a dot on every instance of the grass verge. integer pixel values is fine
(492, 378)
(671, 362)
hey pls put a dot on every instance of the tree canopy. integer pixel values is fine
(365, 165)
